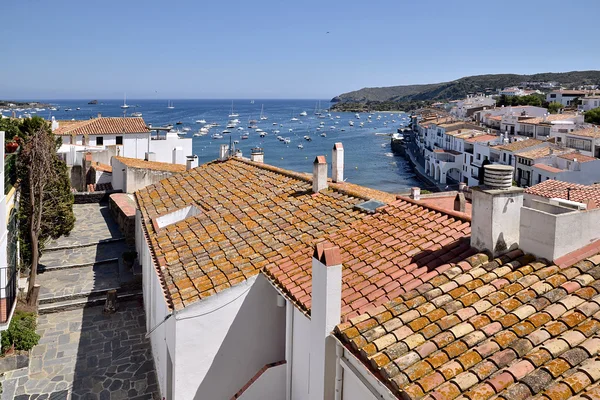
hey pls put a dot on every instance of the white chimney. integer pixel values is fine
(257, 154)
(496, 211)
(337, 163)
(149, 156)
(319, 178)
(99, 115)
(191, 162)
(54, 125)
(224, 152)
(326, 310)
(415, 193)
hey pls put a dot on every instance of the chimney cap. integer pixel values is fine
(328, 254)
(498, 176)
(257, 150)
(320, 160)
(338, 145)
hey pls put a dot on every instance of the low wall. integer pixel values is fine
(93, 197)
(122, 209)
(14, 361)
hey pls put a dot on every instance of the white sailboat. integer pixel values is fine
(233, 114)
(262, 117)
(125, 106)
(170, 105)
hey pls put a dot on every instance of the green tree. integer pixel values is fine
(11, 128)
(46, 203)
(554, 107)
(593, 116)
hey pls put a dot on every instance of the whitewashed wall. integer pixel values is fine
(353, 388)
(269, 386)
(300, 362)
(164, 149)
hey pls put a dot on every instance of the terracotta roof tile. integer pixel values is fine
(592, 132)
(565, 190)
(533, 343)
(519, 145)
(397, 242)
(251, 216)
(577, 156)
(152, 165)
(548, 119)
(102, 126)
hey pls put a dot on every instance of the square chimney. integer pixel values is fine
(319, 178)
(257, 154)
(496, 214)
(337, 163)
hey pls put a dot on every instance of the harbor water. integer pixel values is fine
(369, 160)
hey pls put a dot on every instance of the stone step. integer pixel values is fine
(90, 293)
(43, 268)
(91, 300)
(83, 256)
(76, 246)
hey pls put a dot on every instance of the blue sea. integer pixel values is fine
(369, 160)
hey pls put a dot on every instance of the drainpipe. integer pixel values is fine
(289, 356)
(339, 372)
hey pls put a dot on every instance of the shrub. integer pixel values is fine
(21, 332)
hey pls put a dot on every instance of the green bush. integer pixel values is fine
(21, 332)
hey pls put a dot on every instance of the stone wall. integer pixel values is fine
(93, 197)
(122, 208)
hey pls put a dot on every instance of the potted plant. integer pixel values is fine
(129, 258)
(11, 147)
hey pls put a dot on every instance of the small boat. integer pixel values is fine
(77, 109)
(307, 138)
(67, 109)
(300, 146)
(169, 126)
(234, 121)
(362, 124)
(303, 114)
(170, 105)
(258, 130)
(198, 134)
(225, 131)
(231, 126)
(350, 123)
(53, 109)
(186, 129)
(343, 130)
(181, 133)
(233, 114)
(294, 119)
(263, 134)
(178, 123)
(274, 123)
(291, 130)
(276, 131)
(337, 117)
(245, 136)
(124, 106)
(252, 126)
(262, 117)
(136, 114)
(323, 134)
(217, 136)
(357, 115)
(204, 130)
(280, 138)
(332, 127)
(200, 121)
(286, 140)
(236, 142)
(240, 129)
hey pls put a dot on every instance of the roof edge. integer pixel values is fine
(456, 214)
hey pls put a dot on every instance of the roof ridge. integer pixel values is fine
(455, 214)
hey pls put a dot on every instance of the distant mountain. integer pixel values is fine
(461, 87)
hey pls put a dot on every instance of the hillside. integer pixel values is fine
(461, 87)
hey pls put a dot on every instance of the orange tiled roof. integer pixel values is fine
(508, 328)
(592, 132)
(482, 138)
(102, 126)
(252, 215)
(152, 165)
(565, 190)
(519, 145)
(383, 255)
(543, 152)
(102, 167)
(577, 156)
(548, 119)
(547, 168)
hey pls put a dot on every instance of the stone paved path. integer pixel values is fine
(93, 224)
(88, 355)
(83, 354)
(82, 255)
(76, 281)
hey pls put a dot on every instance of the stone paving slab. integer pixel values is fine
(75, 281)
(82, 255)
(87, 355)
(93, 224)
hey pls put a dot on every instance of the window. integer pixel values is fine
(539, 178)
(478, 156)
(99, 140)
(119, 140)
(504, 157)
(579, 144)
(553, 96)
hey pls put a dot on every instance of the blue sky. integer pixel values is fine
(280, 48)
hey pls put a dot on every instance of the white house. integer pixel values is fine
(132, 174)
(467, 107)
(585, 139)
(572, 167)
(540, 127)
(564, 97)
(203, 237)
(589, 102)
(129, 136)
(9, 248)
(511, 91)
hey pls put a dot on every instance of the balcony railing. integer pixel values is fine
(10, 171)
